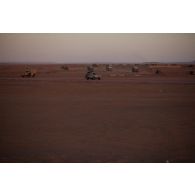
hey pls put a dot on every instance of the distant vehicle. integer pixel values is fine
(108, 67)
(92, 76)
(65, 67)
(90, 68)
(135, 69)
(29, 73)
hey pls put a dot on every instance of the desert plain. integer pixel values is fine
(60, 117)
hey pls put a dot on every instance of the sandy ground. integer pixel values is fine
(58, 116)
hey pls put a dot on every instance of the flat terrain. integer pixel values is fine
(58, 116)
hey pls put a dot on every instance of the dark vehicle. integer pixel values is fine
(92, 76)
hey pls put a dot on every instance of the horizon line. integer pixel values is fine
(146, 62)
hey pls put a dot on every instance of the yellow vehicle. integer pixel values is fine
(29, 73)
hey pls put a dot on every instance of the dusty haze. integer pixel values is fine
(79, 48)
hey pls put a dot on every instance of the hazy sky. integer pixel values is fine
(94, 48)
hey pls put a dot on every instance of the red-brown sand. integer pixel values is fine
(58, 116)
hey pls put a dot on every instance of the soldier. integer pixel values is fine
(28, 71)
(157, 71)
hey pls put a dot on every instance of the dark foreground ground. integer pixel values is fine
(68, 119)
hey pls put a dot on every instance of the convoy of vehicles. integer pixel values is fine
(92, 75)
